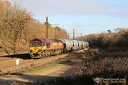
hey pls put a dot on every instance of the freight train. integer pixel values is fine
(46, 47)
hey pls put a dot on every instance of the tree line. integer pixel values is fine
(110, 39)
(17, 26)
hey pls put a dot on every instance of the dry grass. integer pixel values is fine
(102, 65)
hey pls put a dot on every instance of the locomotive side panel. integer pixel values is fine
(57, 46)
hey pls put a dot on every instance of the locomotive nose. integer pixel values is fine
(35, 49)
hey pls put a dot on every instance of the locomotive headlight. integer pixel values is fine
(44, 47)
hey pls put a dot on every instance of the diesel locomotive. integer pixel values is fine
(46, 47)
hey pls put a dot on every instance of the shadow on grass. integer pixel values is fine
(88, 79)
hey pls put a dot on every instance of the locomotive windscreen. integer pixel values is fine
(35, 43)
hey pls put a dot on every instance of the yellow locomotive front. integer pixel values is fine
(36, 48)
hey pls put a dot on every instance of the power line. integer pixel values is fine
(78, 25)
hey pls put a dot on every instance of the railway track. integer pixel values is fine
(8, 63)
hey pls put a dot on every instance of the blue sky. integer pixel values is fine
(85, 16)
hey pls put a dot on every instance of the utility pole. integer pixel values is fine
(46, 23)
(81, 36)
(73, 33)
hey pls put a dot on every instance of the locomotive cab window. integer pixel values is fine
(35, 44)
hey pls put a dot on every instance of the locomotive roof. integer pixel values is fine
(46, 40)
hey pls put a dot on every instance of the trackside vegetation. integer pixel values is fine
(17, 26)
